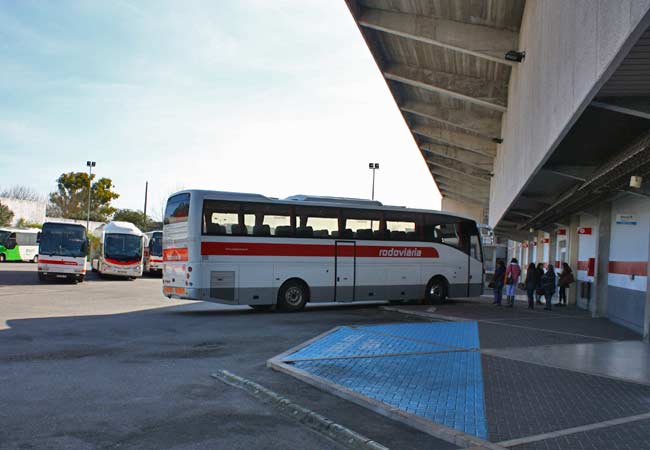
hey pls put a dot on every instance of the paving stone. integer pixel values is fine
(454, 334)
(446, 388)
(524, 399)
(599, 327)
(629, 436)
(499, 335)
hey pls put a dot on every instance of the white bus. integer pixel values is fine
(62, 251)
(153, 259)
(248, 249)
(19, 244)
(120, 250)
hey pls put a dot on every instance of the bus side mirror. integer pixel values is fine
(38, 237)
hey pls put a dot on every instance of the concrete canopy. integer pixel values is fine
(444, 63)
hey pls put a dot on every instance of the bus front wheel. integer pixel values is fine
(293, 296)
(436, 291)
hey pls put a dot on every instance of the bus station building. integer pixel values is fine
(534, 117)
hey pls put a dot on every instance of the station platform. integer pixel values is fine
(489, 377)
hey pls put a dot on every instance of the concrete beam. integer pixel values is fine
(463, 198)
(453, 179)
(456, 154)
(445, 172)
(578, 173)
(458, 165)
(487, 93)
(464, 119)
(477, 40)
(438, 167)
(468, 192)
(460, 140)
(631, 107)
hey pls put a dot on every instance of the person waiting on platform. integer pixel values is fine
(566, 278)
(548, 284)
(532, 283)
(540, 290)
(512, 278)
(499, 275)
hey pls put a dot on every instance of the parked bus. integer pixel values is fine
(19, 244)
(62, 251)
(119, 251)
(248, 249)
(153, 260)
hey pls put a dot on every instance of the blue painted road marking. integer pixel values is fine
(443, 383)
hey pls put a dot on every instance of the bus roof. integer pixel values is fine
(117, 227)
(20, 230)
(67, 224)
(314, 200)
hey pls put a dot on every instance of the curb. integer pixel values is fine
(305, 416)
(421, 314)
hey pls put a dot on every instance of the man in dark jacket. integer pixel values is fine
(548, 284)
(499, 275)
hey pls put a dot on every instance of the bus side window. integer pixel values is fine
(219, 217)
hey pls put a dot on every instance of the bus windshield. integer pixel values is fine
(123, 247)
(156, 244)
(3, 236)
(63, 240)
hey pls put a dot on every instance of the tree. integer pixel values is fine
(71, 198)
(6, 215)
(21, 193)
(136, 217)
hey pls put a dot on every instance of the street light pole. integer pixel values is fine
(90, 165)
(373, 166)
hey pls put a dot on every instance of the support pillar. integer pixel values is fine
(573, 244)
(552, 248)
(646, 321)
(598, 306)
(539, 250)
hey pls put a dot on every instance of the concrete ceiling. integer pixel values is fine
(443, 61)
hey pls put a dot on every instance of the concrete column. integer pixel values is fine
(539, 251)
(646, 323)
(598, 305)
(552, 247)
(573, 246)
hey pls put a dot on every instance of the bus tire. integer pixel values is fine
(41, 277)
(293, 295)
(436, 292)
(80, 278)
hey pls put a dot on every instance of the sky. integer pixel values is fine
(275, 98)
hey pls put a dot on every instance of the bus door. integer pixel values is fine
(345, 270)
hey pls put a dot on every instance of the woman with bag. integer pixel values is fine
(512, 277)
(548, 284)
(566, 278)
(531, 284)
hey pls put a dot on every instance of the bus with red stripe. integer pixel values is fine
(153, 257)
(119, 250)
(62, 251)
(248, 249)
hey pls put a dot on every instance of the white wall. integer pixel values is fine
(31, 211)
(569, 46)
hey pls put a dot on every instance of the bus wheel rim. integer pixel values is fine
(293, 296)
(436, 290)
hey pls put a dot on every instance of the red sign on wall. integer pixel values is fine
(547, 240)
(561, 232)
(584, 230)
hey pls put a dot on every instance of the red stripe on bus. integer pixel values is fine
(62, 263)
(122, 263)
(325, 250)
(628, 267)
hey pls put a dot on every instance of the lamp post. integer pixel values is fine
(90, 165)
(373, 166)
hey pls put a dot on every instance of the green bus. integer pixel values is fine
(19, 244)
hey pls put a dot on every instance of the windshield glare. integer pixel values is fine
(63, 240)
(123, 247)
(156, 244)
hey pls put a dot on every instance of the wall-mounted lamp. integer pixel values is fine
(515, 56)
(636, 181)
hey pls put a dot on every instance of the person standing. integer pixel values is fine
(532, 283)
(499, 275)
(540, 289)
(512, 278)
(548, 284)
(566, 278)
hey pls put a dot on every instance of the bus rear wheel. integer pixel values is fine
(293, 296)
(436, 292)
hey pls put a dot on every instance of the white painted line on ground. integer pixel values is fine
(574, 430)
(305, 416)
(548, 331)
